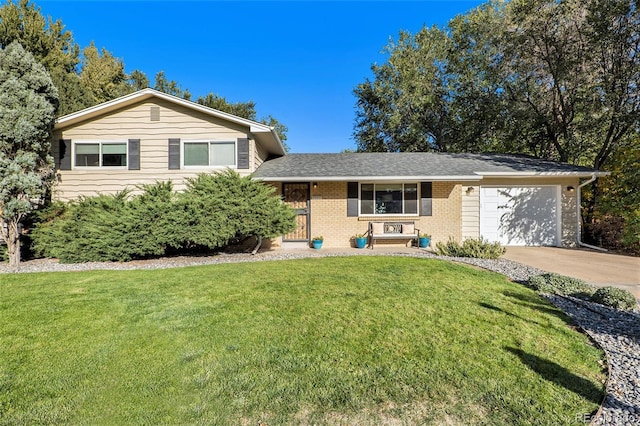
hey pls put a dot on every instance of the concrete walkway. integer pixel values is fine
(595, 267)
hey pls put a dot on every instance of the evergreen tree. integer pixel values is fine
(28, 102)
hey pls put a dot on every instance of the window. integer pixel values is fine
(100, 154)
(389, 199)
(209, 154)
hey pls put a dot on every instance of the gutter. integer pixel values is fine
(580, 243)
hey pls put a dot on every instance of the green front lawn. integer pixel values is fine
(364, 340)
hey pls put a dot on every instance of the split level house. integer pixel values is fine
(150, 136)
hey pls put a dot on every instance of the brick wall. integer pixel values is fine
(329, 215)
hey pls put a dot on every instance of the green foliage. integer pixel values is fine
(616, 298)
(50, 44)
(28, 101)
(616, 220)
(241, 109)
(245, 110)
(170, 87)
(478, 248)
(553, 283)
(103, 75)
(213, 210)
(553, 79)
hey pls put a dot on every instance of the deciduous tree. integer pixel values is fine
(103, 75)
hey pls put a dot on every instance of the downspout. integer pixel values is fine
(580, 243)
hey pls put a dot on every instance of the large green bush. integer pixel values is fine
(478, 248)
(213, 210)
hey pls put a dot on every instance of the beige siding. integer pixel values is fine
(134, 123)
(470, 210)
(260, 155)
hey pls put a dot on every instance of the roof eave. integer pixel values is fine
(579, 174)
(365, 178)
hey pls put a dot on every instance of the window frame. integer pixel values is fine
(100, 143)
(403, 183)
(209, 142)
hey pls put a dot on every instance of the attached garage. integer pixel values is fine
(521, 215)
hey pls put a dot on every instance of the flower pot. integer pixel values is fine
(361, 242)
(317, 244)
(424, 242)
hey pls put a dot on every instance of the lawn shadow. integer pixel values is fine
(511, 314)
(533, 301)
(559, 375)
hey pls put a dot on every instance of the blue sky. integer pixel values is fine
(298, 61)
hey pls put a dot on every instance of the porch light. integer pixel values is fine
(470, 190)
(315, 185)
(570, 188)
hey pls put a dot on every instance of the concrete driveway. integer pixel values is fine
(595, 267)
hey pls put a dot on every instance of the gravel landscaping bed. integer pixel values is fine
(616, 332)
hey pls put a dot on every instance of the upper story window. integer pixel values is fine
(389, 199)
(100, 154)
(209, 154)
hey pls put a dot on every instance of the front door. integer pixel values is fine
(296, 195)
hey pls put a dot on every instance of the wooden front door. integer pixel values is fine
(296, 195)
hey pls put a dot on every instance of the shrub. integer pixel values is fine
(562, 285)
(93, 229)
(213, 211)
(616, 298)
(225, 206)
(478, 248)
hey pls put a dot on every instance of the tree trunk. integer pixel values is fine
(12, 238)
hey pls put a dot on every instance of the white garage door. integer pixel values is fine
(520, 216)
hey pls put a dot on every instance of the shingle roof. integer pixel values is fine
(411, 165)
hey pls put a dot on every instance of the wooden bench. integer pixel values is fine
(393, 231)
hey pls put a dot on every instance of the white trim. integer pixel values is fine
(100, 143)
(541, 174)
(233, 166)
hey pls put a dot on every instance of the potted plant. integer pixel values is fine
(317, 242)
(424, 240)
(360, 240)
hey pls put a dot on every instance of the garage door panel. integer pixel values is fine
(520, 215)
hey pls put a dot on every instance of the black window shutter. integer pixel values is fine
(64, 150)
(426, 195)
(243, 153)
(352, 199)
(174, 154)
(134, 154)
